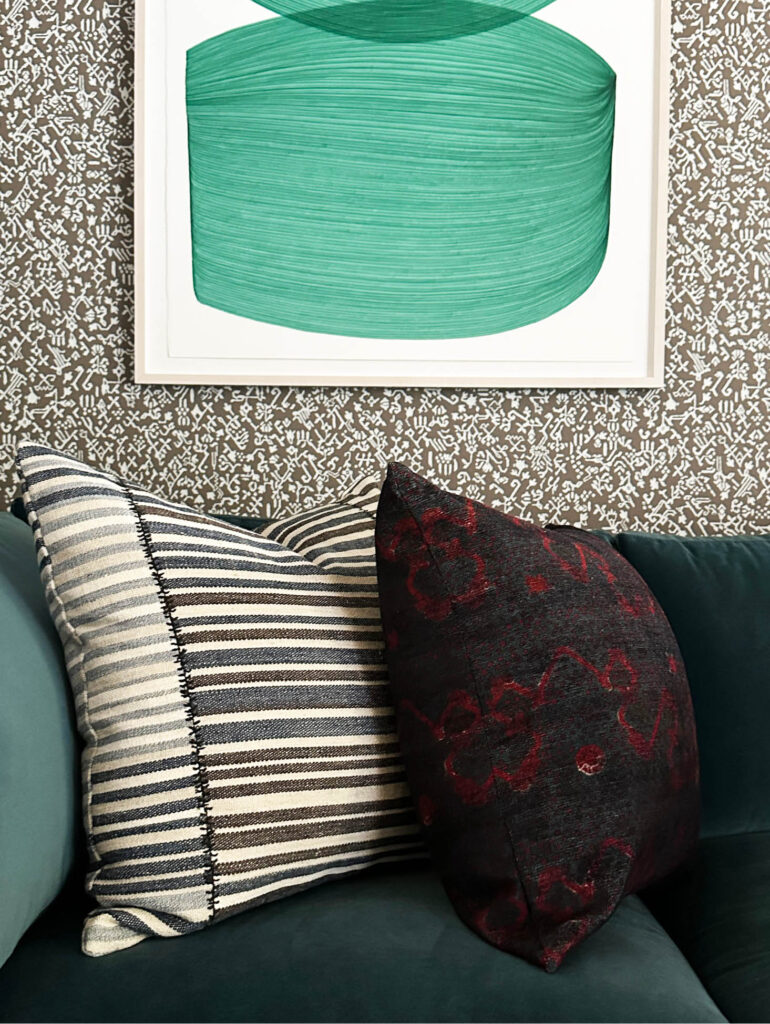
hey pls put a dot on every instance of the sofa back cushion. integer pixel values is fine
(39, 778)
(716, 594)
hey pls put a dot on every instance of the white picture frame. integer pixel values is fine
(611, 337)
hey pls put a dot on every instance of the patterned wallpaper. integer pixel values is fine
(694, 457)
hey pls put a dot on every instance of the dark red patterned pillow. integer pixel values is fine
(544, 716)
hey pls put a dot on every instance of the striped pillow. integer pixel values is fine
(232, 694)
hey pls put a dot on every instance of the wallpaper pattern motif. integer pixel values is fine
(693, 457)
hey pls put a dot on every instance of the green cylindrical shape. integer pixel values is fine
(353, 185)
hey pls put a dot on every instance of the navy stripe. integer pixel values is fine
(113, 796)
(137, 813)
(136, 924)
(154, 850)
(168, 883)
(142, 768)
(147, 828)
(124, 871)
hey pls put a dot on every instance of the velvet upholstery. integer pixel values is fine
(719, 913)
(716, 595)
(385, 946)
(39, 786)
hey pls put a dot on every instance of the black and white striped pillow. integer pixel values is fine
(232, 694)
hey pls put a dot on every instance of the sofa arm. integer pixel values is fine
(39, 776)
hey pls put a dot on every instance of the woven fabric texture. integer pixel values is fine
(232, 695)
(544, 715)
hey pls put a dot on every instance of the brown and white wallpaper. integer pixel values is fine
(693, 457)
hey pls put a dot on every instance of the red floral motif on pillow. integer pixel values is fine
(544, 716)
(436, 529)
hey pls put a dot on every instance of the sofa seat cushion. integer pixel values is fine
(384, 946)
(719, 913)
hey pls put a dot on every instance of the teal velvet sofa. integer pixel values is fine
(387, 946)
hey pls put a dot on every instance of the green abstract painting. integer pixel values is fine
(414, 169)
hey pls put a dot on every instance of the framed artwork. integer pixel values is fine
(401, 192)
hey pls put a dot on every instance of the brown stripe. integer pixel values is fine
(332, 533)
(303, 521)
(311, 830)
(380, 748)
(161, 512)
(253, 699)
(261, 597)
